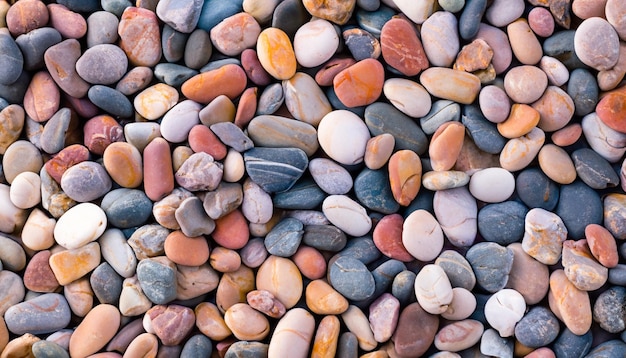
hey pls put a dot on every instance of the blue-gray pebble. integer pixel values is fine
(442, 111)
(46, 313)
(173, 74)
(126, 208)
(48, 349)
(373, 191)
(284, 238)
(617, 275)
(214, 11)
(502, 223)
(594, 170)
(561, 46)
(289, 16)
(173, 43)
(373, 21)
(14, 92)
(81, 5)
(55, 130)
(275, 169)
(539, 327)
(384, 118)
(245, 349)
(111, 100)
(362, 249)
(403, 287)
(324, 237)
(34, 44)
(491, 264)
(106, 284)
(457, 268)
(303, 195)
(198, 345)
(609, 349)
(569, 345)
(11, 58)
(351, 278)
(157, 279)
(582, 87)
(348, 345)
(471, 18)
(536, 190)
(609, 310)
(574, 215)
(484, 133)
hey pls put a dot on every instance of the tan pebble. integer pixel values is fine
(221, 109)
(210, 321)
(433, 289)
(357, 323)
(12, 218)
(179, 155)
(581, 268)
(556, 109)
(95, 331)
(144, 345)
(79, 296)
(20, 347)
(133, 301)
(322, 299)
(153, 102)
(326, 338)
(407, 96)
(234, 167)
(556, 164)
(445, 145)
(194, 281)
(528, 276)
(281, 277)
(12, 120)
(444, 180)
(246, 323)
(524, 43)
(224, 260)
(458, 86)
(522, 119)
(292, 335)
(405, 176)
(378, 150)
(4, 334)
(462, 305)
(233, 287)
(525, 84)
(70, 265)
(476, 55)
(572, 305)
(544, 235)
(518, 153)
(124, 164)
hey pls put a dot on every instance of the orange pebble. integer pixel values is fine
(229, 80)
(445, 145)
(360, 84)
(276, 54)
(521, 120)
(568, 135)
(185, 250)
(405, 176)
(231, 230)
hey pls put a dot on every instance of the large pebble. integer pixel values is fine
(491, 263)
(351, 278)
(492, 185)
(401, 47)
(528, 276)
(347, 215)
(411, 337)
(589, 34)
(101, 64)
(360, 84)
(86, 181)
(459, 335)
(229, 80)
(459, 86)
(456, 211)
(577, 218)
(275, 169)
(503, 310)
(315, 42)
(525, 84)
(95, 331)
(281, 132)
(440, 38)
(433, 289)
(544, 236)
(276, 53)
(80, 225)
(571, 304)
(293, 334)
(538, 328)
(288, 287)
(518, 153)
(43, 314)
(382, 118)
(246, 323)
(157, 277)
(422, 235)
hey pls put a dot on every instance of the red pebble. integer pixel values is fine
(231, 231)
(310, 262)
(253, 68)
(158, 173)
(66, 158)
(602, 245)
(388, 238)
(612, 110)
(100, 131)
(246, 108)
(202, 139)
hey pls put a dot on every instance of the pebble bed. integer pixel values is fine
(323, 178)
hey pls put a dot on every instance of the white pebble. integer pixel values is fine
(80, 225)
(492, 185)
(504, 309)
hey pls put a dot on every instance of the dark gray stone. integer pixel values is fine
(106, 284)
(457, 268)
(594, 170)
(614, 348)
(536, 190)
(303, 195)
(46, 313)
(274, 169)
(245, 349)
(569, 345)
(373, 191)
(384, 276)
(270, 99)
(384, 118)
(34, 44)
(11, 59)
(55, 130)
(214, 64)
(157, 278)
(362, 249)
(284, 238)
(111, 101)
(351, 278)
(609, 310)
(561, 46)
(582, 87)
(81, 5)
(484, 133)
(361, 44)
(126, 208)
(289, 16)
(348, 346)
(539, 327)
(324, 237)
(617, 275)
(14, 92)
(198, 345)
(423, 200)
(116, 7)
(173, 74)
(173, 44)
(574, 215)
(198, 49)
(369, 5)
(491, 264)
(502, 223)
(471, 17)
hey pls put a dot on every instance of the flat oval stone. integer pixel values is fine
(459, 86)
(580, 266)
(588, 33)
(484, 133)
(157, 277)
(101, 64)
(405, 173)
(351, 278)
(602, 245)
(293, 334)
(535, 189)
(25, 190)
(528, 276)
(556, 108)
(525, 84)
(329, 176)
(111, 101)
(433, 289)
(556, 71)
(322, 298)
(524, 43)
(360, 84)
(456, 211)
(347, 215)
(310, 108)
(459, 335)
(72, 264)
(609, 110)
(556, 164)
(42, 98)
(387, 236)
(440, 39)
(538, 328)
(157, 169)
(85, 181)
(372, 190)
(502, 223)
(576, 220)
(229, 80)
(12, 56)
(445, 145)
(12, 120)
(408, 96)
(101, 28)
(21, 156)
(106, 284)
(235, 33)
(276, 53)
(43, 314)
(605, 141)
(494, 103)
(383, 118)
(444, 180)
(38, 275)
(288, 287)
(126, 208)
(85, 340)
(315, 42)
(492, 185)
(608, 311)
(411, 337)
(246, 323)
(280, 132)
(155, 101)
(80, 225)
(594, 170)
(422, 235)
(257, 160)
(140, 36)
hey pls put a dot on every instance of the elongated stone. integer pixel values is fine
(275, 169)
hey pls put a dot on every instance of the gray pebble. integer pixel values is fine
(48, 349)
(126, 208)
(270, 99)
(221, 201)
(384, 118)
(609, 310)
(86, 181)
(106, 284)
(303, 195)
(536, 190)
(384, 276)
(101, 28)
(148, 241)
(348, 346)
(491, 264)
(582, 87)
(373, 191)
(457, 268)
(362, 249)
(198, 49)
(56, 129)
(11, 58)
(245, 349)
(34, 44)
(492, 345)
(193, 219)
(173, 74)
(284, 238)
(539, 327)
(617, 275)
(14, 93)
(330, 176)
(116, 7)
(102, 64)
(111, 101)
(232, 136)
(46, 313)
(612, 348)
(403, 287)
(569, 345)
(182, 16)
(198, 345)
(324, 237)
(502, 223)
(484, 133)
(199, 172)
(173, 44)
(274, 169)
(157, 277)
(442, 111)
(351, 278)
(594, 170)
(575, 216)
(254, 253)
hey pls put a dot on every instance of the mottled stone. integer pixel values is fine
(170, 323)
(157, 277)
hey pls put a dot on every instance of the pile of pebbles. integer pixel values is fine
(350, 178)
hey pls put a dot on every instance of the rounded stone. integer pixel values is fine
(525, 84)
(246, 323)
(502, 223)
(492, 264)
(351, 278)
(382, 118)
(456, 211)
(360, 84)
(459, 86)
(288, 287)
(589, 35)
(228, 80)
(315, 42)
(538, 328)
(492, 185)
(387, 236)
(102, 64)
(576, 217)
(494, 103)
(433, 289)
(276, 53)
(95, 331)
(525, 45)
(608, 310)
(504, 310)
(347, 215)
(293, 334)
(556, 164)
(43, 314)
(422, 235)
(80, 225)
(85, 181)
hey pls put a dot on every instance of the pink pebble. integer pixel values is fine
(310, 262)
(541, 21)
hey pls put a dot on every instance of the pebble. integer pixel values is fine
(459, 335)
(360, 84)
(594, 170)
(503, 310)
(613, 210)
(586, 38)
(433, 289)
(557, 164)
(281, 132)
(315, 43)
(519, 152)
(86, 181)
(491, 263)
(92, 334)
(440, 39)
(284, 238)
(170, 323)
(613, 347)
(608, 311)
(262, 164)
(411, 337)
(157, 277)
(538, 328)
(228, 80)
(293, 334)
(494, 103)
(485, 135)
(347, 215)
(106, 284)
(310, 108)
(382, 118)
(459, 225)
(280, 277)
(246, 323)
(199, 172)
(492, 344)
(571, 305)
(351, 278)
(276, 54)
(460, 86)
(492, 185)
(575, 222)
(43, 314)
